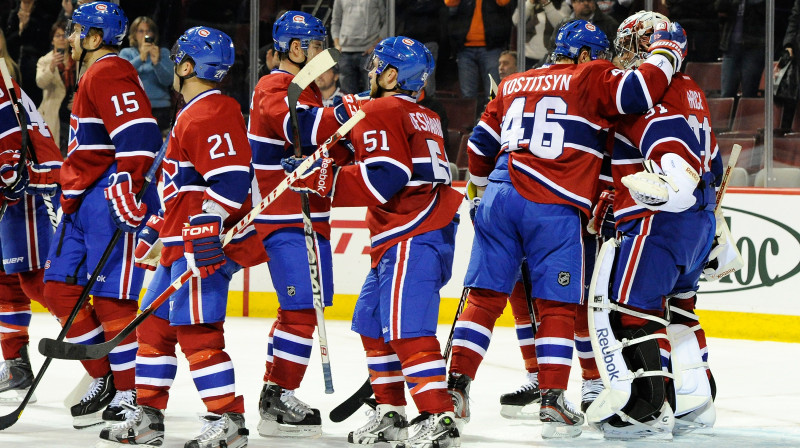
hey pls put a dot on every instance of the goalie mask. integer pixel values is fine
(633, 37)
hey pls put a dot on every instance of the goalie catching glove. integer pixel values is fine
(724, 258)
(149, 245)
(669, 188)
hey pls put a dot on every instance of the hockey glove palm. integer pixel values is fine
(318, 180)
(126, 211)
(202, 245)
(602, 222)
(669, 40)
(148, 245)
(669, 188)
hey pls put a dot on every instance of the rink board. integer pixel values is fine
(760, 302)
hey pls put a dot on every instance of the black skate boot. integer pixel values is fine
(223, 431)
(16, 377)
(142, 425)
(284, 415)
(559, 418)
(512, 404)
(100, 393)
(115, 412)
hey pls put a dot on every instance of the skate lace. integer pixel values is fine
(94, 389)
(213, 427)
(5, 373)
(132, 415)
(295, 404)
(422, 426)
(121, 398)
(372, 423)
(533, 383)
(571, 407)
(591, 389)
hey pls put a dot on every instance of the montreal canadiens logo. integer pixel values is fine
(203, 32)
(101, 7)
(299, 19)
(590, 27)
(661, 26)
(408, 41)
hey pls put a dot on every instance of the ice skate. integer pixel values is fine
(116, 409)
(221, 431)
(512, 405)
(660, 428)
(458, 387)
(699, 421)
(16, 377)
(100, 393)
(387, 424)
(589, 392)
(433, 431)
(284, 415)
(142, 426)
(558, 416)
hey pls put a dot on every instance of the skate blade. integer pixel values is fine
(271, 428)
(681, 429)
(15, 396)
(110, 444)
(649, 436)
(518, 412)
(554, 430)
(88, 421)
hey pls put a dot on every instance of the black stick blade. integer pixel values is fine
(351, 404)
(62, 349)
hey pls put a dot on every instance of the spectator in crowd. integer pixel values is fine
(67, 6)
(541, 19)
(328, 84)
(507, 64)
(153, 65)
(791, 45)
(422, 20)
(27, 35)
(12, 66)
(357, 26)
(702, 37)
(479, 30)
(587, 10)
(55, 75)
(619, 10)
(743, 45)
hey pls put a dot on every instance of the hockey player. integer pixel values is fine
(25, 235)
(402, 176)
(206, 190)
(298, 38)
(659, 263)
(113, 141)
(538, 150)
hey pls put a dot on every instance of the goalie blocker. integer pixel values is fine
(636, 401)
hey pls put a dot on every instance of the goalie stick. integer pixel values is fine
(312, 70)
(27, 145)
(68, 350)
(723, 186)
(10, 419)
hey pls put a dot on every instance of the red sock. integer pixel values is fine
(156, 363)
(292, 342)
(583, 344)
(473, 330)
(554, 343)
(522, 322)
(385, 372)
(424, 371)
(15, 316)
(115, 314)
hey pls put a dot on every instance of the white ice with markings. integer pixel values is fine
(758, 401)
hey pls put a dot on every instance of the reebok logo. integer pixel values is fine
(608, 358)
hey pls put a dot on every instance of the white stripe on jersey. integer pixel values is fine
(271, 141)
(128, 124)
(405, 226)
(226, 169)
(489, 129)
(587, 203)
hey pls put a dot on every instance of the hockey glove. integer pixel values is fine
(41, 181)
(148, 244)
(602, 222)
(9, 164)
(474, 194)
(202, 245)
(318, 180)
(669, 188)
(290, 164)
(724, 258)
(126, 211)
(669, 40)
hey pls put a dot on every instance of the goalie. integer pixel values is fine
(647, 342)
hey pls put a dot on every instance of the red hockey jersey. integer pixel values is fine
(679, 124)
(45, 149)
(208, 157)
(111, 122)
(553, 121)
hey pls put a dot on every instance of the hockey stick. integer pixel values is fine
(10, 419)
(352, 403)
(69, 350)
(526, 283)
(723, 186)
(306, 76)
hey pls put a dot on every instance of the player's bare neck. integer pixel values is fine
(289, 66)
(92, 56)
(193, 87)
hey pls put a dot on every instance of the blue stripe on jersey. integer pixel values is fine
(423, 170)
(676, 128)
(21, 318)
(214, 380)
(408, 228)
(139, 137)
(633, 98)
(268, 152)
(579, 201)
(93, 135)
(7, 118)
(483, 142)
(385, 178)
(294, 219)
(232, 186)
(154, 371)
